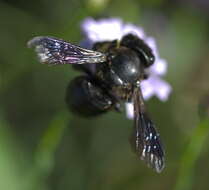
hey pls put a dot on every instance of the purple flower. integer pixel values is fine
(114, 28)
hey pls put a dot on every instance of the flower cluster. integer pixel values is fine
(114, 28)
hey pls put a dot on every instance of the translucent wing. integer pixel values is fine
(55, 51)
(146, 140)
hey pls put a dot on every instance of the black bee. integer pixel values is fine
(113, 71)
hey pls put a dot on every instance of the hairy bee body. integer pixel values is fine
(112, 73)
(111, 82)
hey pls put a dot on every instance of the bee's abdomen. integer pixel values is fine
(86, 98)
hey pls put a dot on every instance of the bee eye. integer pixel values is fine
(140, 47)
(151, 59)
(147, 57)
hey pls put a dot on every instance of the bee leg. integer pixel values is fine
(85, 97)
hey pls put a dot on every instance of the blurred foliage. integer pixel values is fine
(43, 146)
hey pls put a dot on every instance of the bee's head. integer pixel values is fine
(140, 47)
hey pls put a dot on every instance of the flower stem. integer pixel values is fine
(191, 154)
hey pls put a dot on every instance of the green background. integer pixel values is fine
(44, 147)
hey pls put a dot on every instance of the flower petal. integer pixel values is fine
(104, 29)
(159, 67)
(154, 85)
(147, 89)
(130, 28)
(162, 89)
(129, 107)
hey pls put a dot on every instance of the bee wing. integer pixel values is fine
(55, 51)
(145, 139)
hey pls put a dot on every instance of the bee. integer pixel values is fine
(112, 74)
